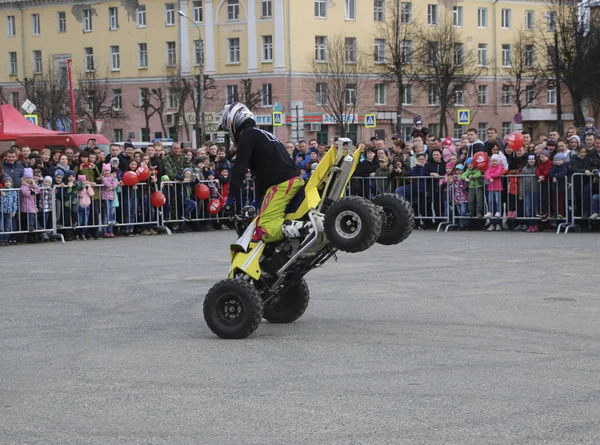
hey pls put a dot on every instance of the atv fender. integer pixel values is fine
(248, 262)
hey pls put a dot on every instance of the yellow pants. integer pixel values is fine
(272, 211)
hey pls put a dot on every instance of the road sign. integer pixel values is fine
(518, 118)
(464, 117)
(32, 118)
(370, 120)
(518, 127)
(277, 107)
(28, 107)
(277, 118)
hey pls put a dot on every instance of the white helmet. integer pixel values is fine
(233, 117)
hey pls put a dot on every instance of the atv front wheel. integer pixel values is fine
(398, 218)
(353, 224)
(233, 309)
(290, 304)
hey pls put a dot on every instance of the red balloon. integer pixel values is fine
(515, 141)
(158, 199)
(130, 178)
(215, 206)
(143, 173)
(481, 160)
(202, 192)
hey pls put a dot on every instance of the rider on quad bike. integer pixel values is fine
(276, 177)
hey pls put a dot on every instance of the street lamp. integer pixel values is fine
(200, 85)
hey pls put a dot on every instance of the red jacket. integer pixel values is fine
(543, 169)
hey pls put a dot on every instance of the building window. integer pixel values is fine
(350, 9)
(459, 97)
(551, 26)
(170, 14)
(459, 54)
(11, 28)
(457, 15)
(267, 95)
(407, 51)
(267, 48)
(141, 16)
(171, 54)
(506, 57)
(379, 10)
(432, 53)
(529, 20)
(482, 130)
(379, 51)
(529, 95)
(529, 56)
(432, 14)
(37, 62)
(172, 100)
(115, 58)
(482, 17)
(266, 9)
(434, 129)
(87, 20)
(482, 54)
(506, 129)
(89, 59)
(321, 48)
(407, 95)
(458, 130)
(321, 9)
(552, 96)
(351, 94)
(117, 135)
(61, 19)
(232, 93)
(113, 18)
(117, 99)
(234, 50)
(12, 63)
(233, 9)
(380, 94)
(322, 94)
(506, 19)
(434, 95)
(35, 24)
(405, 13)
(198, 12)
(142, 55)
(350, 49)
(14, 99)
(482, 94)
(506, 95)
(198, 52)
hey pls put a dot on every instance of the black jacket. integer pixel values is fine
(265, 156)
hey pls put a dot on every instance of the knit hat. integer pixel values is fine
(545, 153)
(418, 123)
(495, 157)
(531, 156)
(106, 168)
(81, 178)
(550, 142)
(59, 172)
(469, 161)
(211, 172)
(47, 178)
(114, 160)
(70, 173)
(6, 178)
(164, 178)
(560, 157)
(589, 120)
(187, 170)
(447, 141)
(460, 167)
(575, 137)
(27, 173)
(450, 165)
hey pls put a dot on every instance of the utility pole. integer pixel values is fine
(559, 121)
(200, 126)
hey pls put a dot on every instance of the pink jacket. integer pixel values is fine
(110, 184)
(28, 201)
(494, 173)
(447, 152)
(84, 197)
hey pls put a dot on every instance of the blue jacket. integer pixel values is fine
(560, 173)
(420, 171)
(9, 202)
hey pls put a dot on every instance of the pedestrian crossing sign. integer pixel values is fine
(464, 117)
(32, 118)
(370, 121)
(277, 118)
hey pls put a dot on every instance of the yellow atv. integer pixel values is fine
(267, 280)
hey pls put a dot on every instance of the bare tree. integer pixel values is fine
(398, 39)
(446, 67)
(337, 79)
(3, 99)
(94, 101)
(193, 85)
(249, 97)
(152, 101)
(178, 94)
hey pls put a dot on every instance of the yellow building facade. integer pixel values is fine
(135, 43)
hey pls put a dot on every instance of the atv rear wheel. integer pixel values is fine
(398, 218)
(233, 309)
(290, 305)
(353, 224)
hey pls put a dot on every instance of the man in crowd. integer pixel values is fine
(126, 156)
(492, 138)
(155, 161)
(590, 141)
(13, 167)
(289, 146)
(475, 144)
(175, 161)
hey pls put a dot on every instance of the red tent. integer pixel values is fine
(13, 124)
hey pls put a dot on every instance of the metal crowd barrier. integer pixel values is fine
(585, 200)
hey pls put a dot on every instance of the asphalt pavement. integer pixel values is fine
(466, 338)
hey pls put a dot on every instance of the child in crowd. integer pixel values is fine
(114, 163)
(8, 210)
(109, 185)
(70, 200)
(37, 176)
(492, 175)
(474, 177)
(461, 196)
(85, 201)
(188, 193)
(45, 219)
(29, 191)
(448, 149)
(542, 172)
(530, 193)
(248, 189)
(558, 174)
